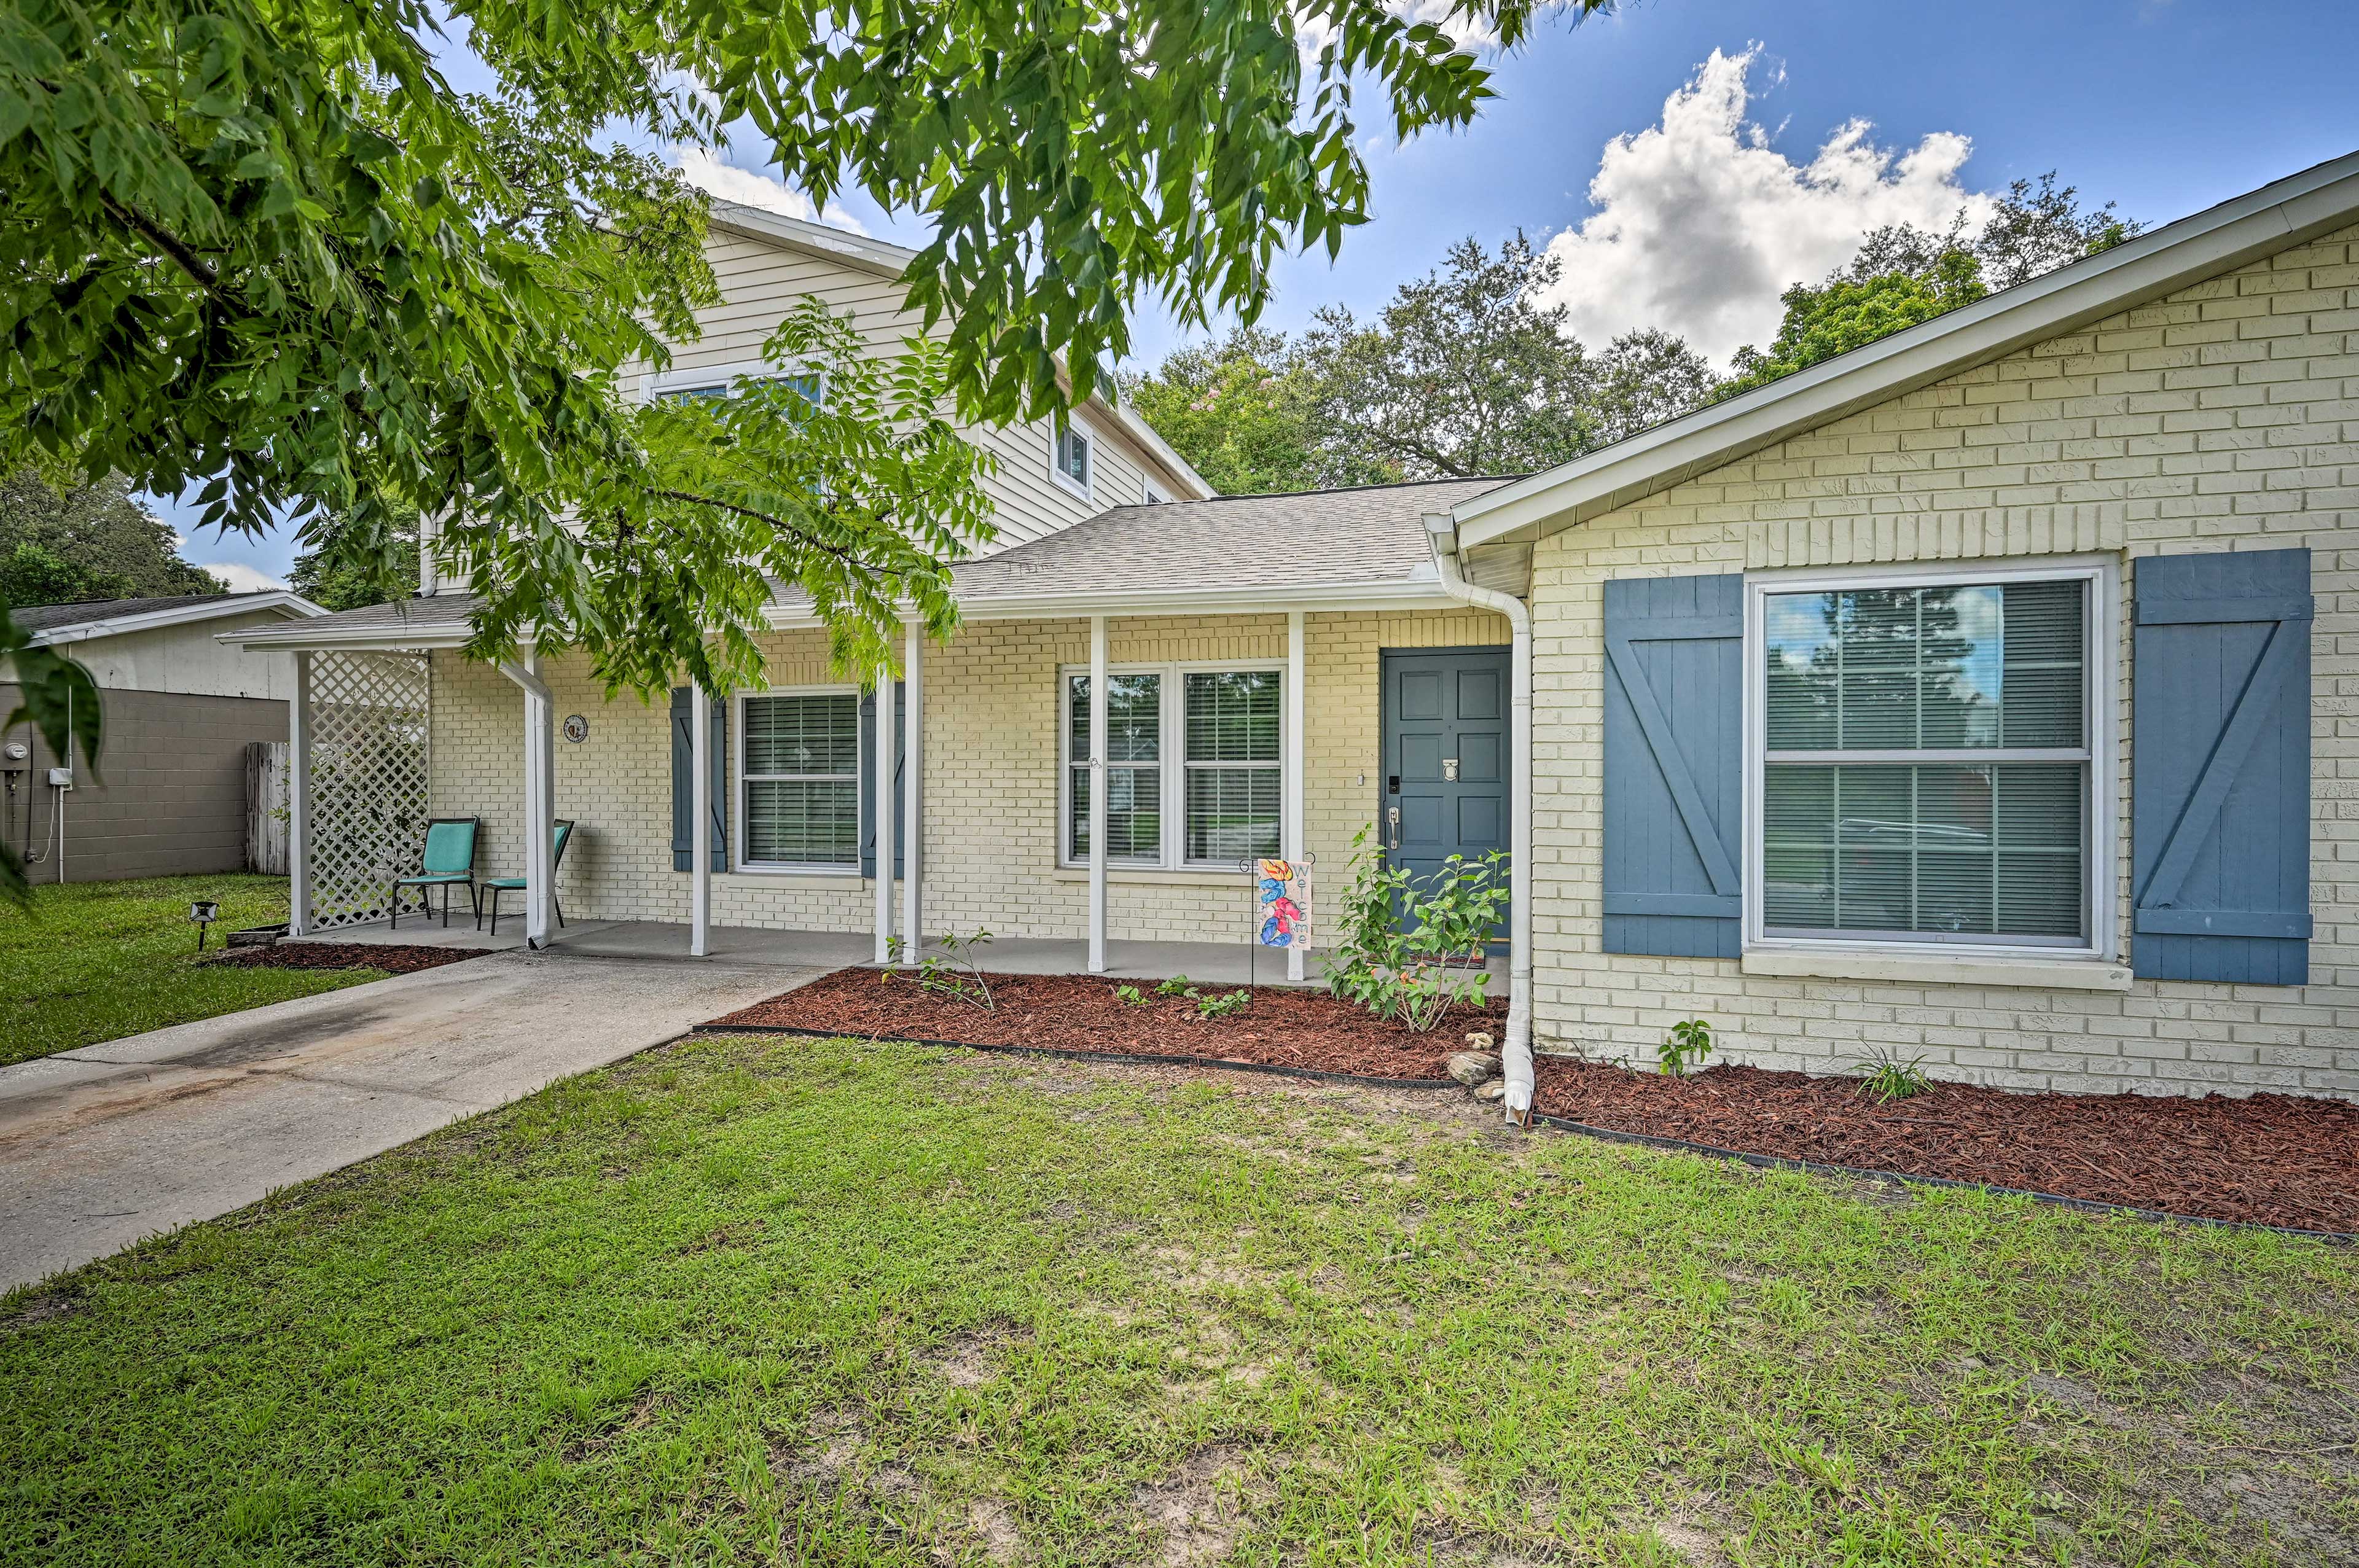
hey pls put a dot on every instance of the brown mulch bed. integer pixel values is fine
(1279, 1028)
(394, 958)
(2268, 1159)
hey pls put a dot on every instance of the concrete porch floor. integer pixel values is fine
(1215, 963)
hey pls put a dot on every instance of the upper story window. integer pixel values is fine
(716, 386)
(1156, 495)
(1925, 755)
(1072, 455)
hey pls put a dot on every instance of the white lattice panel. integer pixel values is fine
(369, 778)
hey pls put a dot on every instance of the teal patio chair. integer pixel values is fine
(499, 885)
(448, 862)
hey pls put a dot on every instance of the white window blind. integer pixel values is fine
(1134, 770)
(801, 779)
(1927, 765)
(1233, 764)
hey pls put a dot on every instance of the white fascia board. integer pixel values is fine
(1397, 594)
(878, 256)
(375, 637)
(2274, 218)
(288, 603)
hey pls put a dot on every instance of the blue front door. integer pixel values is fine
(1445, 756)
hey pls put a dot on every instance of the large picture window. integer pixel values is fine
(1925, 763)
(799, 769)
(1193, 766)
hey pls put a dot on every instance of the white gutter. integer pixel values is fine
(211, 610)
(1515, 1059)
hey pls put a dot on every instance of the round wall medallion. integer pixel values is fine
(577, 729)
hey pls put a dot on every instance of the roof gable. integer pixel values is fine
(2177, 255)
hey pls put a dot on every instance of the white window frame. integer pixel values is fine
(1154, 493)
(660, 384)
(2100, 856)
(1086, 486)
(1172, 764)
(746, 863)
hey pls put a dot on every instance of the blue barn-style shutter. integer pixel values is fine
(1674, 765)
(868, 782)
(2220, 768)
(683, 782)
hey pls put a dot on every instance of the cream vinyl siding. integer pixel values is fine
(761, 280)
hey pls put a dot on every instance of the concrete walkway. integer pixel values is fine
(104, 1145)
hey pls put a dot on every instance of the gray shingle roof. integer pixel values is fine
(1368, 537)
(44, 617)
(1374, 535)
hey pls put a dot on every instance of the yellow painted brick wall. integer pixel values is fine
(991, 777)
(2222, 417)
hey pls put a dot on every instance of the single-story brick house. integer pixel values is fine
(1979, 696)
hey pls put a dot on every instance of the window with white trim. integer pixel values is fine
(1154, 493)
(1194, 768)
(1924, 757)
(1070, 455)
(722, 385)
(798, 777)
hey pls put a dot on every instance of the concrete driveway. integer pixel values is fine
(105, 1145)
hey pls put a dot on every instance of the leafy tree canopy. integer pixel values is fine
(263, 247)
(1463, 373)
(1904, 275)
(86, 542)
(341, 578)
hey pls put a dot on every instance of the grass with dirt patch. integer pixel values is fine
(752, 1300)
(95, 961)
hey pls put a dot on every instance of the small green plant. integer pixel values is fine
(1130, 994)
(1176, 986)
(1687, 1044)
(1410, 949)
(952, 971)
(1888, 1075)
(1211, 1007)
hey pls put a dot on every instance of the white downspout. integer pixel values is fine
(699, 815)
(1515, 1060)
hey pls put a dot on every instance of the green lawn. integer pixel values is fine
(96, 961)
(764, 1300)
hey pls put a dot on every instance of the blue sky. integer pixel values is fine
(1734, 176)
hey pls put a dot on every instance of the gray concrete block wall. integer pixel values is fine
(168, 796)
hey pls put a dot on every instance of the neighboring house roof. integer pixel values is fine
(887, 260)
(1331, 549)
(2274, 218)
(54, 624)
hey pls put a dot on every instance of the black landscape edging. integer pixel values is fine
(1139, 1058)
(1610, 1134)
(1787, 1162)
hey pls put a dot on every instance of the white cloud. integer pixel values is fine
(244, 578)
(730, 183)
(1701, 222)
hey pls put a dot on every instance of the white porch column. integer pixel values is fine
(1294, 829)
(1098, 774)
(298, 801)
(539, 802)
(913, 791)
(699, 813)
(882, 795)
